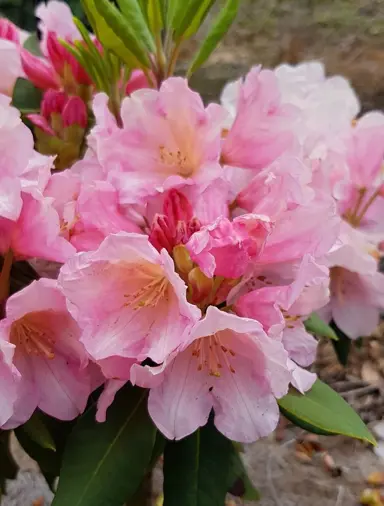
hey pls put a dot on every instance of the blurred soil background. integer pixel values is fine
(348, 36)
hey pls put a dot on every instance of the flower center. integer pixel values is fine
(176, 159)
(28, 334)
(212, 355)
(150, 294)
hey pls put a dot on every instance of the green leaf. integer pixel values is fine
(36, 429)
(194, 16)
(317, 326)
(175, 12)
(217, 31)
(122, 29)
(196, 469)
(342, 346)
(134, 16)
(104, 463)
(32, 44)
(107, 35)
(239, 483)
(26, 97)
(155, 15)
(323, 411)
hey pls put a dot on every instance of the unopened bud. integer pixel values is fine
(39, 72)
(160, 236)
(137, 81)
(177, 208)
(53, 101)
(9, 31)
(41, 122)
(200, 285)
(75, 113)
(182, 259)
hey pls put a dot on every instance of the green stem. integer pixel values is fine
(174, 57)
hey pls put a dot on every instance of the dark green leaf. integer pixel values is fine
(217, 31)
(323, 411)
(196, 469)
(317, 326)
(104, 463)
(134, 16)
(26, 97)
(32, 44)
(342, 346)
(239, 483)
(38, 432)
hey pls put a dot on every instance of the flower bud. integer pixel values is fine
(199, 284)
(61, 58)
(177, 208)
(161, 235)
(9, 31)
(39, 72)
(41, 122)
(75, 113)
(53, 102)
(137, 81)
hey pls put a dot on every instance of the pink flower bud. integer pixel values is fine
(39, 72)
(42, 123)
(75, 113)
(177, 208)
(161, 235)
(53, 102)
(60, 57)
(9, 31)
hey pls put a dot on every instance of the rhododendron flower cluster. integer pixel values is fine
(193, 240)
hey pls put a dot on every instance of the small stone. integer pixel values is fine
(369, 372)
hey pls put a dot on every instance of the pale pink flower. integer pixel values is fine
(261, 130)
(88, 211)
(55, 16)
(41, 358)
(228, 364)
(129, 300)
(226, 248)
(168, 139)
(11, 38)
(21, 169)
(283, 298)
(357, 289)
(35, 233)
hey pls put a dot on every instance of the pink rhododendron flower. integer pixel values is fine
(88, 211)
(168, 139)
(56, 17)
(11, 38)
(228, 364)
(35, 233)
(226, 248)
(41, 359)
(261, 130)
(129, 300)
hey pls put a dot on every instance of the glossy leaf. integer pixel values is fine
(32, 44)
(36, 429)
(196, 469)
(239, 483)
(107, 36)
(26, 97)
(319, 327)
(323, 411)
(217, 31)
(104, 463)
(134, 16)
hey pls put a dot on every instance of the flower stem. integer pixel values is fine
(174, 56)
